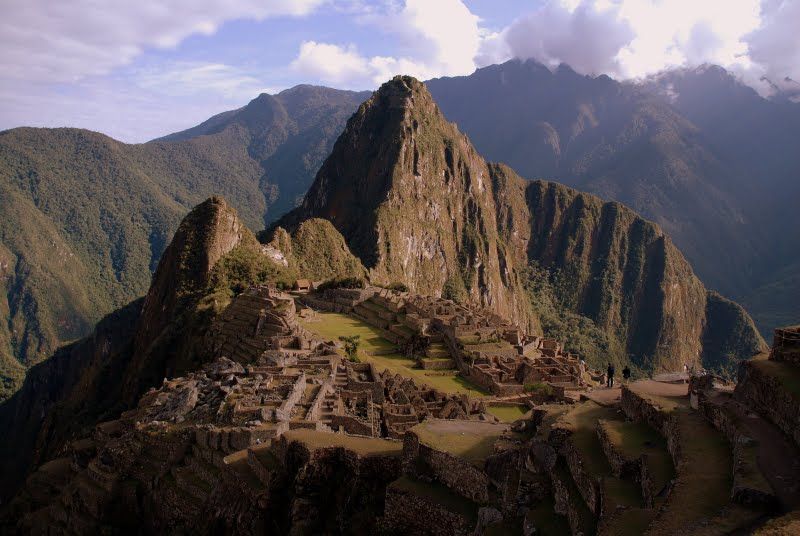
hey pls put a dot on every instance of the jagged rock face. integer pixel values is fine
(210, 231)
(414, 201)
(131, 350)
(417, 204)
(623, 272)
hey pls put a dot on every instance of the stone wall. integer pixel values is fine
(458, 474)
(766, 394)
(749, 485)
(409, 513)
(786, 345)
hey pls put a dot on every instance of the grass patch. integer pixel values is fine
(633, 521)
(507, 413)
(439, 494)
(632, 439)
(331, 326)
(470, 440)
(539, 387)
(582, 421)
(364, 446)
(547, 522)
(704, 478)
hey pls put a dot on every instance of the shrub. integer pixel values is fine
(539, 388)
(345, 282)
(351, 344)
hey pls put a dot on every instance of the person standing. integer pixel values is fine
(610, 375)
(626, 373)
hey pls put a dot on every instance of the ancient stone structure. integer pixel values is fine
(786, 345)
(281, 434)
(485, 348)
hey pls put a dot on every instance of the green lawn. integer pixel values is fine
(471, 440)
(365, 446)
(331, 326)
(507, 413)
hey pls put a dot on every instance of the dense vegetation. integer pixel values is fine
(86, 218)
(694, 150)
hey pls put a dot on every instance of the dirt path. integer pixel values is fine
(604, 396)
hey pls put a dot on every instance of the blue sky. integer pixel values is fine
(138, 70)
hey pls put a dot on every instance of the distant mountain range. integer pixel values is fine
(85, 218)
(695, 151)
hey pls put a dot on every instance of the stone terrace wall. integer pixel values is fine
(639, 409)
(457, 474)
(408, 513)
(767, 395)
(786, 345)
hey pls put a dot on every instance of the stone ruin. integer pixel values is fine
(245, 444)
(786, 345)
(273, 375)
(485, 348)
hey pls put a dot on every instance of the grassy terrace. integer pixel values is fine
(438, 494)
(582, 421)
(363, 446)
(632, 439)
(331, 326)
(470, 440)
(788, 375)
(507, 413)
(704, 474)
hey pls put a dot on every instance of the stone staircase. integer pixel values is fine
(340, 378)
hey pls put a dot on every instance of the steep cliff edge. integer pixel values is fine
(418, 205)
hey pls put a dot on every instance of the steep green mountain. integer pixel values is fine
(697, 152)
(288, 135)
(212, 256)
(418, 205)
(86, 218)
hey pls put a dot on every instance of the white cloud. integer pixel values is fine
(46, 41)
(583, 35)
(331, 63)
(774, 47)
(433, 38)
(182, 79)
(686, 32)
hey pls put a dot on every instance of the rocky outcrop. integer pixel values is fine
(207, 233)
(130, 350)
(396, 174)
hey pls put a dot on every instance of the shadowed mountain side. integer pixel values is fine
(418, 205)
(695, 151)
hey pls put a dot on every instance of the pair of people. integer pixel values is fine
(626, 374)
